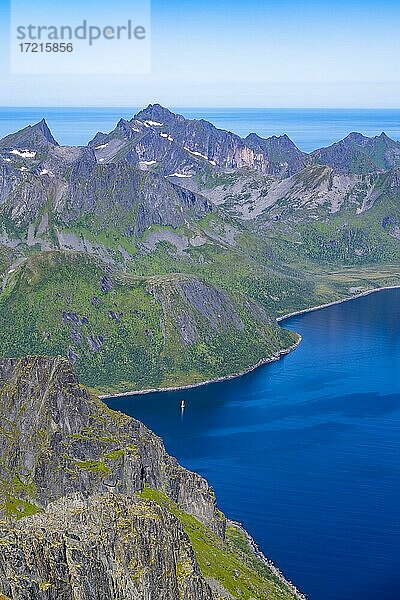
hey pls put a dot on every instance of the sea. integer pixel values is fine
(305, 452)
(308, 128)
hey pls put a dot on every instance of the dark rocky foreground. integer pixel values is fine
(78, 516)
(104, 546)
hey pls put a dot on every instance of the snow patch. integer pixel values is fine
(179, 175)
(201, 155)
(46, 172)
(147, 162)
(153, 124)
(24, 153)
(101, 146)
(166, 136)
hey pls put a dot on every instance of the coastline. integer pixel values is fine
(262, 558)
(321, 306)
(263, 361)
(260, 363)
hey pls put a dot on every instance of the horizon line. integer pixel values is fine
(174, 107)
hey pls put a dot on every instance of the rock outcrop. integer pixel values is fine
(57, 440)
(73, 186)
(36, 136)
(105, 546)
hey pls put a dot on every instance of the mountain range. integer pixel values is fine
(161, 253)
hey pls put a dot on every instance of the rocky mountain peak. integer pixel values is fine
(253, 138)
(355, 137)
(158, 114)
(388, 141)
(157, 138)
(122, 123)
(33, 136)
(359, 154)
(43, 128)
(281, 140)
(127, 128)
(282, 154)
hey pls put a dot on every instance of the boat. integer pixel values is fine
(182, 404)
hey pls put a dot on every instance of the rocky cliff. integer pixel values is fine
(58, 440)
(360, 155)
(105, 546)
(93, 507)
(71, 185)
(180, 147)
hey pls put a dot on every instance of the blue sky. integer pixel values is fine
(245, 54)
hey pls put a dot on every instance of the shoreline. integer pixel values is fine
(262, 558)
(260, 363)
(328, 304)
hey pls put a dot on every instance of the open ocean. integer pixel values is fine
(308, 128)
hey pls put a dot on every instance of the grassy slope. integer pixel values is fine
(229, 562)
(142, 348)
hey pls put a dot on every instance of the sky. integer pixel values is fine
(237, 54)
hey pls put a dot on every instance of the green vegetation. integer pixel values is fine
(156, 324)
(17, 508)
(132, 335)
(230, 562)
(115, 454)
(354, 240)
(94, 466)
(358, 234)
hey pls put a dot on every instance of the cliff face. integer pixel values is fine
(69, 184)
(187, 145)
(57, 440)
(92, 506)
(70, 470)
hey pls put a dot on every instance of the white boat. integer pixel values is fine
(182, 404)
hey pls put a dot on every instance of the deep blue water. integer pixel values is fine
(306, 451)
(308, 128)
